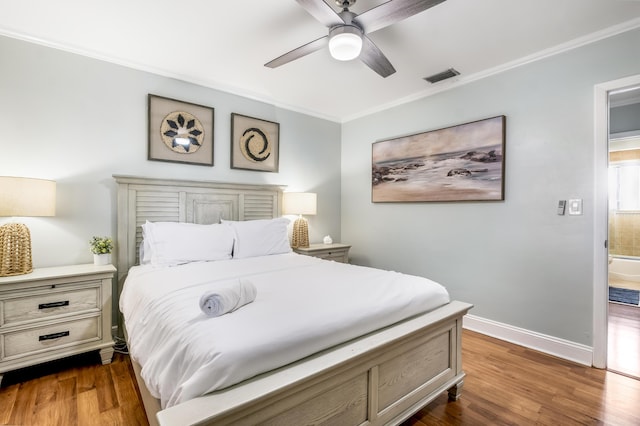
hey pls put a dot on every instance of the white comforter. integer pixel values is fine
(303, 305)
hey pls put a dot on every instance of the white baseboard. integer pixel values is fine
(561, 348)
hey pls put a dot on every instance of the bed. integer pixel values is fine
(380, 377)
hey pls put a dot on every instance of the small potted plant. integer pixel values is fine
(101, 248)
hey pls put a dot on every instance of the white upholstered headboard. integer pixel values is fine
(170, 200)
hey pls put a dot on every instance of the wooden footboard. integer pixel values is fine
(379, 379)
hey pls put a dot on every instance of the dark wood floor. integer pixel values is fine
(76, 391)
(505, 384)
(511, 385)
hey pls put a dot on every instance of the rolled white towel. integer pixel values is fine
(227, 296)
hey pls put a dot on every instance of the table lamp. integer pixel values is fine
(22, 197)
(300, 203)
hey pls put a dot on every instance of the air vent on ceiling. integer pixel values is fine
(442, 76)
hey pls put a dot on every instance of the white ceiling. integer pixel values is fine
(224, 45)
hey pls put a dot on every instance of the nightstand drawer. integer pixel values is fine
(336, 251)
(44, 304)
(338, 255)
(38, 339)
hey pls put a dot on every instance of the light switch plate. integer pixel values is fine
(575, 207)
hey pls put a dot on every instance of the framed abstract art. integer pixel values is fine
(255, 143)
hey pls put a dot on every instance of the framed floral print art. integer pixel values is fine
(180, 132)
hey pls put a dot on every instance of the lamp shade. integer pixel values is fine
(345, 42)
(21, 196)
(299, 203)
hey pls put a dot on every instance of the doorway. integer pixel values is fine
(623, 347)
(601, 212)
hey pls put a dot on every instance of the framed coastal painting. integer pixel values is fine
(255, 143)
(180, 132)
(458, 163)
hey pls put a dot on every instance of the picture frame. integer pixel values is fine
(465, 162)
(180, 132)
(255, 143)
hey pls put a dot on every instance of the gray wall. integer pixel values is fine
(624, 118)
(78, 121)
(517, 261)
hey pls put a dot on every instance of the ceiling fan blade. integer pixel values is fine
(391, 12)
(299, 52)
(322, 12)
(375, 59)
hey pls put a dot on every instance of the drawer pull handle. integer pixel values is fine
(53, 304)
(53, 336)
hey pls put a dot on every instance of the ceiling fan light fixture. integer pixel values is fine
(345, 42)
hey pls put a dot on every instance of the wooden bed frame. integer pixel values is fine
(381, 378)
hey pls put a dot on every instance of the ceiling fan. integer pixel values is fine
(347, 38)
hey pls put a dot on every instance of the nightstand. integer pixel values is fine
(53, 313)
(336, 251)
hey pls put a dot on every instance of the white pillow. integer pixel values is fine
(145, 246)
(261, 237)
(174, 243)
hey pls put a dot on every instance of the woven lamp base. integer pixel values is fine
(15, 250)
(300, 236)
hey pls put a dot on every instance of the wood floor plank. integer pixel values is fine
(112, 416)
(125, 387)
(107, 398)
(133, 414)
(7, 402)
(24, 405)
(47, 390)
(88, 410)
(67, 400)
(128, 393)
(55, 401)
(86, 378)
(67, 389)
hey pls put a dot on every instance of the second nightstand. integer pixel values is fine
(336, 251)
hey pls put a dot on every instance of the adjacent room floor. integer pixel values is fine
(624, 339)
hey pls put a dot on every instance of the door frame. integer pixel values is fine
(601, 219)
